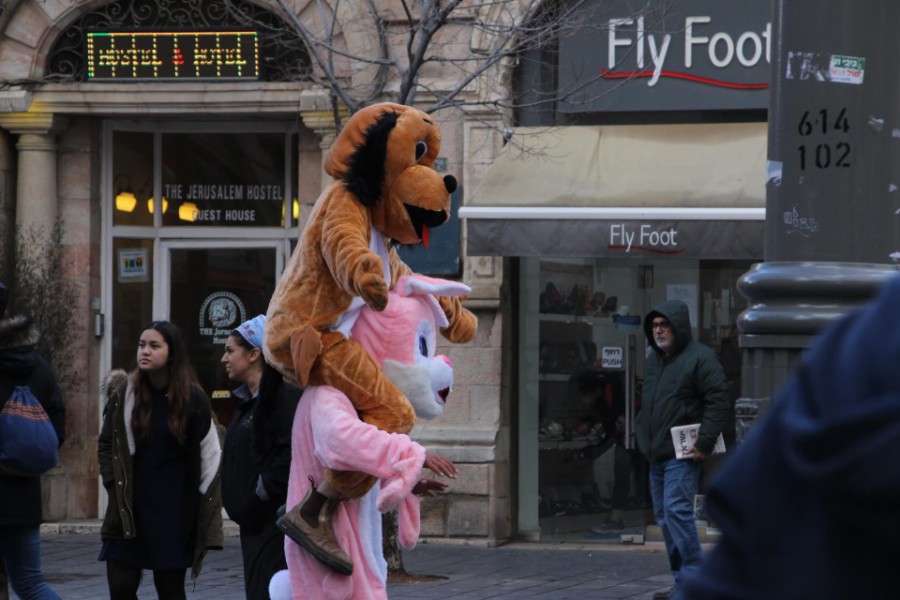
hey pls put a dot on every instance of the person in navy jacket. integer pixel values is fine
(809, 506)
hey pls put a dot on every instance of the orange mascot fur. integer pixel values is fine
(385, 191)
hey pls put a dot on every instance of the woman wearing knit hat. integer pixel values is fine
(256, 461)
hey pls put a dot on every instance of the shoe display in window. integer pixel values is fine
(609, 525)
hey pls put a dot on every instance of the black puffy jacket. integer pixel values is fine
(258, 443)
(687, 387)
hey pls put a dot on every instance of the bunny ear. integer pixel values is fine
(410, 285)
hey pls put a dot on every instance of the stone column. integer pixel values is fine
(484, 363)
(36, 214)
(321, 122)
(37, 207)
(832, 226)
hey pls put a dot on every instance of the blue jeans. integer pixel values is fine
(673, 484)
(20, 549)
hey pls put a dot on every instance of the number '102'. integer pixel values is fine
(824, 156)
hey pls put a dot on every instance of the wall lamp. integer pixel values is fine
(125, 199)
(165, 205)
(187, 212)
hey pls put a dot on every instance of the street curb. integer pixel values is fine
(92, 527)
(231, 529)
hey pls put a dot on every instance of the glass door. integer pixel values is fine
(581, 362)
(210, 289)
(578, 399)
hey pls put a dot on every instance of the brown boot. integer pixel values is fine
(309, 525)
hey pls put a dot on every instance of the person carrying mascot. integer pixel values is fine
(384, 192)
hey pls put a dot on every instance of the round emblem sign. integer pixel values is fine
(220, 313)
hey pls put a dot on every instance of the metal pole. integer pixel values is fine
(832, 200)
(630, 408)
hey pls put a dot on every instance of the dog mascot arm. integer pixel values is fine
(346, 228)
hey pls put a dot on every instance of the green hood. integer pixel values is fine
(678, 315)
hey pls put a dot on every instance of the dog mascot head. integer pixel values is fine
(385, 154)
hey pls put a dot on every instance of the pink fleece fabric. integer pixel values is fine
(328, 433)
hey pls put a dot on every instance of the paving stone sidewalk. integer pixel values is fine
(464, 571)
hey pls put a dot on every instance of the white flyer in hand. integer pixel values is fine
(684, 436)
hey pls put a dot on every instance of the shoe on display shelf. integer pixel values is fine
(609, 525)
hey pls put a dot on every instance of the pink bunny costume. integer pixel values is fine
(328, 434)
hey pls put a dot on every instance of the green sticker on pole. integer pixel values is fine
(847, 69)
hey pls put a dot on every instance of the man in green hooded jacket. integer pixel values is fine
(684, 384)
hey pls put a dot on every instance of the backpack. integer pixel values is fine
(29, 445)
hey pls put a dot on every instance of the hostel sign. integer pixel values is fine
(171, 55)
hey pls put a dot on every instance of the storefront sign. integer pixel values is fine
(707, 239)
(205, 192)
(645, 238)
(220, 313)
(212, 204)
(173, 55)
(690, 55)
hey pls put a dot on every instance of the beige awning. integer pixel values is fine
(637, 173)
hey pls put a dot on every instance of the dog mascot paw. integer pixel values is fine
(385, 192)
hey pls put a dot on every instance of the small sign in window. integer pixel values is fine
(612, 357)
(133, 265)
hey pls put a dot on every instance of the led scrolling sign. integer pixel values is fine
(172, 55)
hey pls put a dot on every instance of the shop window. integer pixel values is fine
(132, 290)
(132, 184)
(442, 256)
(581, 369)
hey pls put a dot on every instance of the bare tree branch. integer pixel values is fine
(315, 47)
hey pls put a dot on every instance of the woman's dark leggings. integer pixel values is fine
(124, 581)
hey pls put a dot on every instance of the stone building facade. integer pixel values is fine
(66, 142)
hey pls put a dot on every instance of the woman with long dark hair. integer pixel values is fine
(257, 455)
(159, 456)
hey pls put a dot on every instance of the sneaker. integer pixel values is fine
(609, 525)
(664, 594)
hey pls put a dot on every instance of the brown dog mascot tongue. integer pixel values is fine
(385, 191)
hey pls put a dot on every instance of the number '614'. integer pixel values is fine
(820, 123)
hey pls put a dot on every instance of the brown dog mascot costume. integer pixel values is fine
(385, 191)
